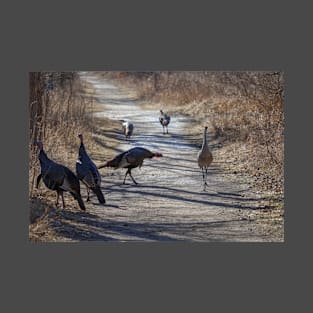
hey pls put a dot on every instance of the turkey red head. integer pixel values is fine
(157, 155)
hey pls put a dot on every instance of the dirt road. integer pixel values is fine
(169, 203)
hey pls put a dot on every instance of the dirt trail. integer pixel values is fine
(169, 203)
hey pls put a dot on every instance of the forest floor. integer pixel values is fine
(169, 203)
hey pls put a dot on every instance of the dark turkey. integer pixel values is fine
(164, 120)
(130, 159)
(58, 177)
(88, 173)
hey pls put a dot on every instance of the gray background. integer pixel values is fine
(148, 35)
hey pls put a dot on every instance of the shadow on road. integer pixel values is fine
(87, 227)
(160, 192)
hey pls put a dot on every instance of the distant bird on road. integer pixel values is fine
(131, 159)
(205, 158)
(164, 120)
(88, 173)
(128, 129)
(58, 177)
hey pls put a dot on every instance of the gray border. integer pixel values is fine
(157, 277)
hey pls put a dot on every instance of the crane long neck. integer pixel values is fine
(204, 139)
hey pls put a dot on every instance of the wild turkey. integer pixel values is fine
(128, 129)
(88, 173)
(131, 159)
(58, 177)
(164, 120)
(205, 158)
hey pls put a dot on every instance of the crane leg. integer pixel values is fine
(132, 177)
(202, 174)
(206, 176)
(203, 178)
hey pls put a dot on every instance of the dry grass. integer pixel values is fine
(244, 112)
(68, 111)
(247, 126)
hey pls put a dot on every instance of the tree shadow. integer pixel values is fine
(138, 193)
(93, 229)
(74, 232)
(223, 195)
(88, 226)
(106, 146)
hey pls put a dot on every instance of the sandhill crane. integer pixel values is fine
(128, 129)
(205, 158)
(164, 120)
(131, 159)
(58, 177)
(88, 173)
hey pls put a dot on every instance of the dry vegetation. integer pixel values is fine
(243, 109)
(59, 109)
(57, 114)
(245, 114)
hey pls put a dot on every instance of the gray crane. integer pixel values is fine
(131, 159)
(205, 158)
(164, 120)
(58, 177)
(88, 173)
